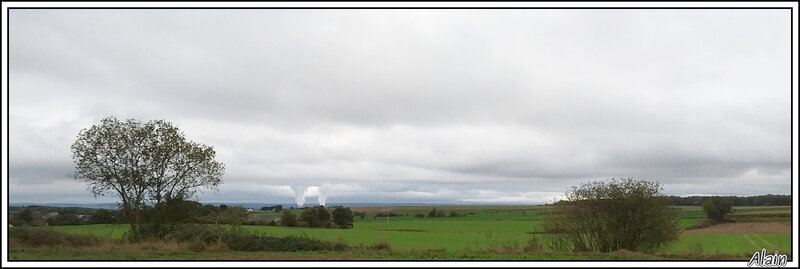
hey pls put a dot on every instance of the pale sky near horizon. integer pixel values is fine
(410, 105)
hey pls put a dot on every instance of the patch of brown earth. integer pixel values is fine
(745, 228)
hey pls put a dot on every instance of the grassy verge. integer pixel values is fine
(179, 251)
(45, 244)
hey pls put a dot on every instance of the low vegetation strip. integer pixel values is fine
(242, 241)
(44, 237)
(745, 228)
(233, 238)
(239, 239)
(782, 212)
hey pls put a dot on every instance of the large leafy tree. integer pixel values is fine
(342, 217)
(317, 216)
(144, 163)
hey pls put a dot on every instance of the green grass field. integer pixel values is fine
(477, 231)
(735, 244)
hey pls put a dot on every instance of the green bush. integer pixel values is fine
(288, 218)
(102, 216)
(27, 217)
(45, 237)
(342, 217)
(317, 216)
(716, 209)
(38, 237)
(160, 220)
(65, 218)
(197, 232)
(242, 241)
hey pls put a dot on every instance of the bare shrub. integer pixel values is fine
(613, 215)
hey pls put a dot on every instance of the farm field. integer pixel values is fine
(476, 233)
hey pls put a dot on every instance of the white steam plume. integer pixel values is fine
(323, 194)
(299, 195)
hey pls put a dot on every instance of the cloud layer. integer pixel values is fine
(482, 106)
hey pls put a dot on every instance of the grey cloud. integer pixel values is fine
(39, 173)
(417, 104)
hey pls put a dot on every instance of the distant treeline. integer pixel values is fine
(48, 215)
(179, 211)
(761, 200)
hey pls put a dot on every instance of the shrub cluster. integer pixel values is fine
(317, 216)
(45, 237)
(717, 208)
(342, 217)
(203, 235)
(611, 215)
(240, 240)
(197, 232)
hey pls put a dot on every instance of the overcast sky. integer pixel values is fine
(479, 106)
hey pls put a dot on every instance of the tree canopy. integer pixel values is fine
(143, 163)
(716, 209)
(342, 217)
(317, 216)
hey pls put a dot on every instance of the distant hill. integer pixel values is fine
(86, 205)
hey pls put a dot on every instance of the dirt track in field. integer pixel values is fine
(745, 228)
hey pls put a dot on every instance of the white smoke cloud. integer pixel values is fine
(324, 189)
(299, 195)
